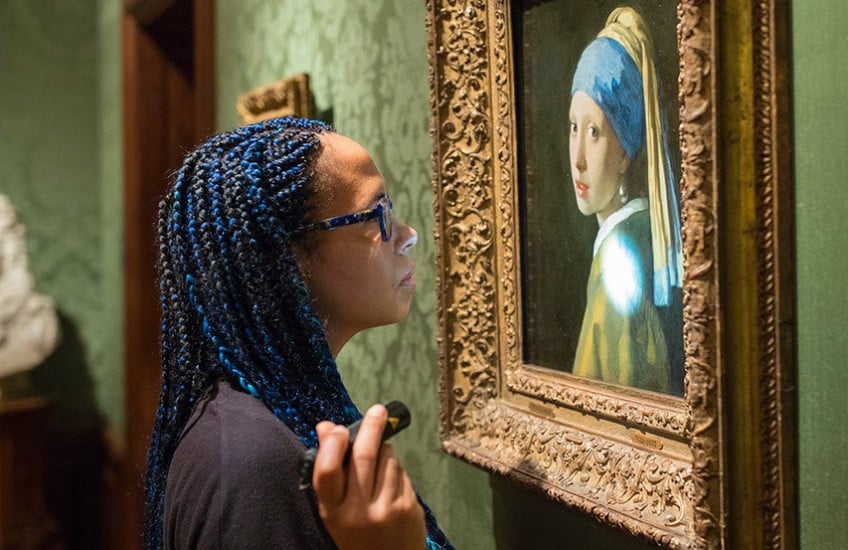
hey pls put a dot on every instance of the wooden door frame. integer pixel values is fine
(168, 107)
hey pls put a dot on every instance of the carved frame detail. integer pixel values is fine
(287, 96)
(655, 466)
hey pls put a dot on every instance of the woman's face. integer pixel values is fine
(598, 162)
(357, 280)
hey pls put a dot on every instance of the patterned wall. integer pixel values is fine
(59, 148)
(367, 62)
(60, 153)
(821, 130)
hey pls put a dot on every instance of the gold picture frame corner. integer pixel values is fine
(285, 97)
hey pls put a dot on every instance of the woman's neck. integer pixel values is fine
(627, 210)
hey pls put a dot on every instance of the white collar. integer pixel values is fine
(636, 205)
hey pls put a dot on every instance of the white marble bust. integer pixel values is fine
(29, 328)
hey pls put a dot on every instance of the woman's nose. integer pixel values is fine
(407, 237)
(577, 156)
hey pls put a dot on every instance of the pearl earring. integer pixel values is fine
(622, 193)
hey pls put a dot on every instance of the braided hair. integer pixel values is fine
(234, 306)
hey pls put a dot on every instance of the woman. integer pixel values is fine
(276, 246)
(632, 326)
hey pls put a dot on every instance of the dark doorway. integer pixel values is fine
(168, 107)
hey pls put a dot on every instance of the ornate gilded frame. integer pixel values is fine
(714, 469)
(287, 96)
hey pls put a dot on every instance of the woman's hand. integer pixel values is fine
(370, 503)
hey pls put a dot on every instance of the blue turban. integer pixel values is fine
(608, 75)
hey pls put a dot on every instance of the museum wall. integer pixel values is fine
(60, 151)
(821, 210)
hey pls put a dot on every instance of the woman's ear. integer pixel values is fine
(624, 164)
(301, 255)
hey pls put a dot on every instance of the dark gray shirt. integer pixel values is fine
(233, 481)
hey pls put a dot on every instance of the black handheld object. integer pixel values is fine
(397, 420)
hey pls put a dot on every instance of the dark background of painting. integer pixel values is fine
(556, 240)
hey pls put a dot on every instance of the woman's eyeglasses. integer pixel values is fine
(381, 212)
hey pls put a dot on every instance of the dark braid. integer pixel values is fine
(233, 303)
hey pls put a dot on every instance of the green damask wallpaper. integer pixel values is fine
(367, 63)
(60, 149)
(60, 152)
(821, 130)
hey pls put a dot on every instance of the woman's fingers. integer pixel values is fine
(328, 476)
(323, 428)
(388, 478)
(370, 503)
(407, 491)
(365, 453)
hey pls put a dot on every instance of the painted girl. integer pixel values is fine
(632, 326)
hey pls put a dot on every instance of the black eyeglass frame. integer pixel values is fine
(382, 212)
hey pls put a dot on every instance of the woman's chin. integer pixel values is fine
(583, 207)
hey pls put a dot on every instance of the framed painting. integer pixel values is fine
(614, 258)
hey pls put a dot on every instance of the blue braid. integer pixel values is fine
(234, 305)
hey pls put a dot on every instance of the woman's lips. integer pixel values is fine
(582, 189)
(409, 280)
